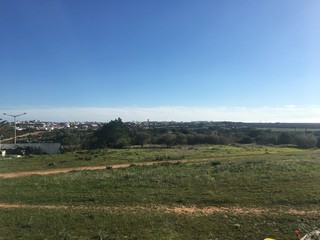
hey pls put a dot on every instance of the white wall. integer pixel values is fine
(49, 148)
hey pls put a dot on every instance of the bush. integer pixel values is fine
(285, 138)
(114, 134)
(306, 141)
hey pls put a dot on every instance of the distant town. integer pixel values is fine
(37, 136)
(50, 126)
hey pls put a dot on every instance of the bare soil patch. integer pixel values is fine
(92, 168)
(101, 167)
(179, 209)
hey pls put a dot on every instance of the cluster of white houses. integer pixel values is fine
(49, 126)
(46, 148)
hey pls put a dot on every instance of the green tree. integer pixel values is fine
(181, 139)
(285, 138)
(169, 139)
(306, 141)
(114, 134)
(142, 137)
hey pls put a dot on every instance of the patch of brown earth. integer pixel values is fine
(179, 209)
(115, 166)
(124, 165)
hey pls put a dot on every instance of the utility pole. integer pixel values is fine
(0, 137)
(15, 126)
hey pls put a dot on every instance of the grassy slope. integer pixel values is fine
(84, 224)
(290, 178)
(114, 156)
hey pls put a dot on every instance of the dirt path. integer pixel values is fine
(115, 166)
(178, 209)
(23, 135)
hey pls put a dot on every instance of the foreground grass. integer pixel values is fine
(257, 181)
(263, 178)
(134, 155)
(84, 224)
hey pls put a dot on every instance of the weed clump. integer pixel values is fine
(215, 163)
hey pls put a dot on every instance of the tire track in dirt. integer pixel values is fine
(24, 135)
(100, 167)
(113, 166)
(177, 209)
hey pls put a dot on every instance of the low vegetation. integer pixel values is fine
(97, 224)
(117, 134)
(232, 192)
(149, 153)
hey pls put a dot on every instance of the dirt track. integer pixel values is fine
(178, 209)
(56, 171)
(66, 170)
(101, 167)
(23, 135)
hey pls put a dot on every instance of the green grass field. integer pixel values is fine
(132, 155)
(234, 192)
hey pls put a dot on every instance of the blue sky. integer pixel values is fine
(190, 60)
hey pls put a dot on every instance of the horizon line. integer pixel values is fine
(267, 114)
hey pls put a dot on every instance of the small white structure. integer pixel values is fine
(49, 148)
(2, 153)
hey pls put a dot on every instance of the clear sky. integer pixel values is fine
(182, 60)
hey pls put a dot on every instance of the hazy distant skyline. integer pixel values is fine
(161, 60)
(292, 114)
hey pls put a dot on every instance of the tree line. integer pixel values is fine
(117, 134)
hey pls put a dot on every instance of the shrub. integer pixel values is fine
(306, 141)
